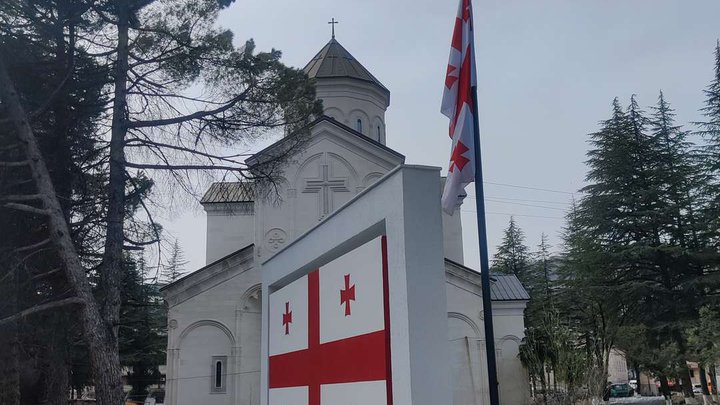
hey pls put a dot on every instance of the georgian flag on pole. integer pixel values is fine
(457, 104)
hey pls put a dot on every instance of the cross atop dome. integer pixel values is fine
(332, 23)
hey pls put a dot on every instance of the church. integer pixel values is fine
(215, 313)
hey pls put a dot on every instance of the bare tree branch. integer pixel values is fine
(22, 197)
(27, 208)
(196, 115)
(40, 308)
(187, 167)
(33, 246)
(47, 273)
(14, 164)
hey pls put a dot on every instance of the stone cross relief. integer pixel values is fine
(325, 186)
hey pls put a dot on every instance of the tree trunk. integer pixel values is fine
(56, 382)
(543, 385)
(664, 386)
(111, 269)
(9, 362)
(686, 383)
(707, 400)
(104, 357)
(534, 386)
(713, 377)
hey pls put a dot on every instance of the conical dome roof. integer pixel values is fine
(334, 61)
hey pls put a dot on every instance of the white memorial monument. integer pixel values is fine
(378, 256)
(216, 314)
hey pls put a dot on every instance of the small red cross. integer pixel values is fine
(347, 294)
(287, 318)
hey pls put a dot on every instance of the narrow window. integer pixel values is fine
(378, 134)
(358, 125)
(218, 374)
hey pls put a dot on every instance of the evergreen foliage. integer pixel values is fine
(143, 335)
(709, 129)
(111, 90)
(512, 255)
(175, 266)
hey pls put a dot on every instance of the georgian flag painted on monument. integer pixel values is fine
(457, 104)
(328, 330)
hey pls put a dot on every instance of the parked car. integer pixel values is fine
(155, 397)
(633, 384)
(621, 390)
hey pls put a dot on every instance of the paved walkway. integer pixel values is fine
(638, 401)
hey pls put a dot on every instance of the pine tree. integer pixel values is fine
(610, 234)
(175, 266)
(710, 131)
(677, 177)
(143, 337)
(512, 255)
(542, 265)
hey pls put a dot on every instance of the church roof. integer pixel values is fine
(335, 61)
(507, 287)
(229, 192)
(503, 287)
(265, 153)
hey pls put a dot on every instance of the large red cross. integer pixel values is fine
(347, 294)
(355, 359)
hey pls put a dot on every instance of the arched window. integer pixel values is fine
(358, 125)
(219, 375)
(379, 137)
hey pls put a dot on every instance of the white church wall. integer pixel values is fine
(204, 322)
(452, 237)
(347, 100)
(333, 167)
(465, 358)
(466, 341)
(508, 323)
(199, 346)
(229, 227)
(466, 337)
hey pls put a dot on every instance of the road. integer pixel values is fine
(638, 401)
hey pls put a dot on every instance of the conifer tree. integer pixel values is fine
(512, 255)
(175, 266)
(710, 131)
(608, 233)
(677, 177)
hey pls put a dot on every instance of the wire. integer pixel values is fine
(528, 187)
(513, 215)
(524, 199)
(525, 205)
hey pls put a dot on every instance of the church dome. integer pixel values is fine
(334, 61)
(351, 95)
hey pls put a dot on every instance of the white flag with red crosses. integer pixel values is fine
(457, 104)
(329, 333)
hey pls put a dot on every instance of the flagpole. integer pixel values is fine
(484, 261)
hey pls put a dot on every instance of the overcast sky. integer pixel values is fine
(547, 73)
